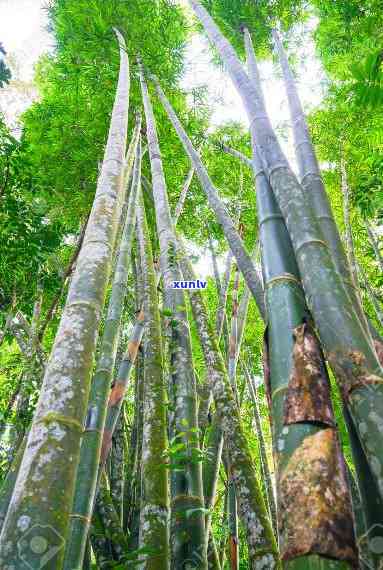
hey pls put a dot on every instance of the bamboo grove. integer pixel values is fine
(153, 418)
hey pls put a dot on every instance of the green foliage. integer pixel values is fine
(258, 17)
(5, 72)
(27, 233)
(48, 178)
(368, 75)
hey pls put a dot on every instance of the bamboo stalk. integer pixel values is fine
(187, 518)
(235, 242)
(87, 473)
(375, 245)
(154, 530)
(252, 509)
(57, 425)
(182, 197)
(350, 354)
(287, 310)
(312, 183)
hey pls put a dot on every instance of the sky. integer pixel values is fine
(24, 37)
(23, 34)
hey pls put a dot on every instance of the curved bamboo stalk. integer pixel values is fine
(349, 350)
(312, 183)
(53, 447)
(187, 519)
(87, 473)
(182, 197)
(235, 242)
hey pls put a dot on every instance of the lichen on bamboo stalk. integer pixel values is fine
(53, 446)
(87, 473)
(262, 548)
(154, 512)
(187, 532)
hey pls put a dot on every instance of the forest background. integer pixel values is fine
(50, 161)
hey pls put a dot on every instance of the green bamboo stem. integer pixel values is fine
(187, 530)
(286, 310)
(110, 520)
(212, 554)
(262, 450)
(262, 547)
(87, 473)
(237, 154)
(371, 294)
(234, 240)
(350, 249)
(119, 387)
(134, 500)
(312, 183)
(53, 446)
(222, 295)
(222, 549)
(233, 339)
(154, 531)
(8, 485)
(65, 277)
(350, 353)
(219, 286)
(116, 478)
(233, 525)
(375, 244)
(369, 494)
(365, 560)
(100, 544)
(182, 197)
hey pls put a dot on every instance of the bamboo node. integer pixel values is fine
(284, 277)
(314, 175)
(61, 419)
(271, 217)
(81, 517)
(309, 242)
